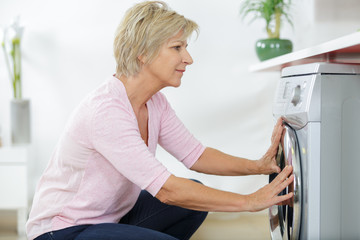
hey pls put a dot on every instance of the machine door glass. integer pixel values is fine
(285, 219)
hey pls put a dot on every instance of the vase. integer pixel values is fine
(272, 47)
(20, 121)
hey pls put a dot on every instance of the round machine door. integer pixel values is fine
(285, 219)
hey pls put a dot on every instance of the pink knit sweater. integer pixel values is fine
(101, 162)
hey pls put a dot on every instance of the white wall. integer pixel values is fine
(67, 49)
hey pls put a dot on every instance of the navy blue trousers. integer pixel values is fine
(149, 219)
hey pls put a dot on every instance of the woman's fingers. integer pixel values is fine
(269, 194)
(277, 129)
(284, 184)
(284, 199)
(289, 201)
(276, 137)
(281, 182)
(283, 175)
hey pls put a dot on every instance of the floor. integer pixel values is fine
(8, 230)
(231, 226)
(217, 226)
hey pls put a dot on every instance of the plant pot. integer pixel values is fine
(20, 121)
(272, 47)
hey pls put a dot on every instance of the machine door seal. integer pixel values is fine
(285, 220)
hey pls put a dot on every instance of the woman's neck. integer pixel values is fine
(139, 90)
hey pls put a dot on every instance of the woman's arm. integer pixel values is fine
(189, 194)
(215, 162)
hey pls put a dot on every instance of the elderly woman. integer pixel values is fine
(103, 180)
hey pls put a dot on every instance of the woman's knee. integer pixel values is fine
(199, 215)
(195, 180)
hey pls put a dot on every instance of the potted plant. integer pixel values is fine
(20, 108)
(274, 12)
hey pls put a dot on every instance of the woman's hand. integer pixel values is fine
(267, 196)
(267, 164)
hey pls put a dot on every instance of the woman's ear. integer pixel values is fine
(142, 58)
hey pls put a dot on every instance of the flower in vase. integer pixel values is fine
(11, 46)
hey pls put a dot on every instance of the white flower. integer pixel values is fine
(11, 46)
(18, 30)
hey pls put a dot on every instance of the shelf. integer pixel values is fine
(13, 183)
(12, 155)
(341, 50)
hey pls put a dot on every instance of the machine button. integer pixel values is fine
(296, 95)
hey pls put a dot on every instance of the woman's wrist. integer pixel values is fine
(253, 167)
(259, 167)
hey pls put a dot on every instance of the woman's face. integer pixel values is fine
(169, 66)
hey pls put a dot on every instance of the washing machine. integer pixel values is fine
(320, 107)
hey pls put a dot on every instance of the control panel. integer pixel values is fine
(293, 98)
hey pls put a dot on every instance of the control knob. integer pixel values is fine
(296, 95)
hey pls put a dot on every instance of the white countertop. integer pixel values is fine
(341, 50)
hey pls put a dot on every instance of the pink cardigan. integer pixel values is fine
(101, 162)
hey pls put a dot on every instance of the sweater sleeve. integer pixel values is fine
(116, 136)
(176, 139)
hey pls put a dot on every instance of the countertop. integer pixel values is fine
(341, 50)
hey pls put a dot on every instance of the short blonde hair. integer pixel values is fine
(143, 30)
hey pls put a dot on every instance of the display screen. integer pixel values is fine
(286, 90)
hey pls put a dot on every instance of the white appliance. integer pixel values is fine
(320, 105)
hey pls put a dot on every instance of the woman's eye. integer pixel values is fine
(177, 48)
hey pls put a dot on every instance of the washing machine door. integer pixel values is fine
(285, 220)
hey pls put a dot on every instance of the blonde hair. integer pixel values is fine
(143, 30)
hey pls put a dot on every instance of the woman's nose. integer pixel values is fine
(187, 58)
